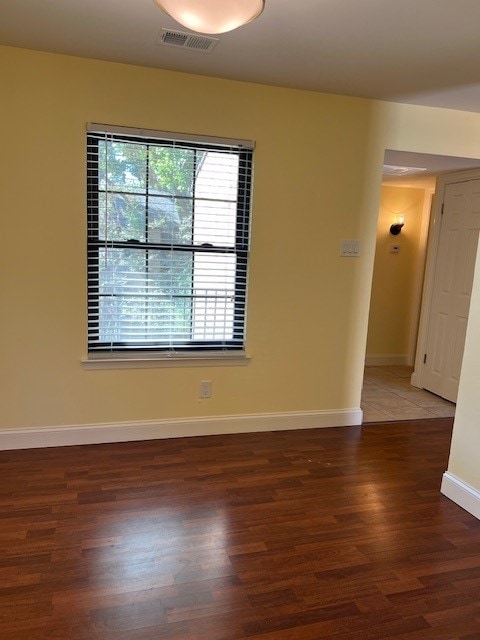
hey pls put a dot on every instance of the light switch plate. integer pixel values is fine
(350, 249)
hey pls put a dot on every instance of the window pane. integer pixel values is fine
(121, 217)
(122, 166)
(122, 271)
(215, 222)
(169, 220)
(217, 176)
(170, 288)
(214, 288)
(171, 170)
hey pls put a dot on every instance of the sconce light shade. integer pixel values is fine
(212, 16)
(397, 226)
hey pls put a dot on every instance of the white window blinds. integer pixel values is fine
(168, 239)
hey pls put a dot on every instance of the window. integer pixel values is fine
(168, 239)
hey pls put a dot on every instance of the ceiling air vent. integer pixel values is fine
(187, 41)
(393, 170)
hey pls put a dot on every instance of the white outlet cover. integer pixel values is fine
(205, 389)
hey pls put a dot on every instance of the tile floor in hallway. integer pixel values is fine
(388, 395)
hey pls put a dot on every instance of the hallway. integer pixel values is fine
(388, 395)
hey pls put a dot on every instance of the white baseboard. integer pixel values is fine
(32, 438)
(461, 493)
(415, 380)
(388, 359)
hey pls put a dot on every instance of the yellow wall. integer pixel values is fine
(317, 177)
(395, 274)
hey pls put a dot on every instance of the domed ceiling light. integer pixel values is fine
(212, 16)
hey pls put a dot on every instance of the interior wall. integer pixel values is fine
(297, 280)
(393, 302)
(317, 173)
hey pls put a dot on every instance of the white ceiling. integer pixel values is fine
(416, 51)
(434, 165)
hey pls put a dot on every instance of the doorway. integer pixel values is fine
(409, 183)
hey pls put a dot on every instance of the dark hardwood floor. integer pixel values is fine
(331, 533)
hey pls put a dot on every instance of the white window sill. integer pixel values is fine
(153, 361)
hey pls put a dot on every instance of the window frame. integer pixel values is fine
(206, 349)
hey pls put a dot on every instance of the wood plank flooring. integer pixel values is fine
(302, 535)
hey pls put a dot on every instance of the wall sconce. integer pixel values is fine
(397, 225)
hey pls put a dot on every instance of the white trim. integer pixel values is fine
(414, 380)
(388, 359)
(31, 438)
(432, 250)
(110, 361)
(461, 493)
(419, 274)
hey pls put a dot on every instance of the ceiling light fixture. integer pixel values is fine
(212, 16)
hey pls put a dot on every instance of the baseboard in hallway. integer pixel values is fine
(386, 360)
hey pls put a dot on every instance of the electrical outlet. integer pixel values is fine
(205, 389)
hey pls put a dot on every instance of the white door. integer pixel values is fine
(452, 288)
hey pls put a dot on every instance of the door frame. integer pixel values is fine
(431, 264)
